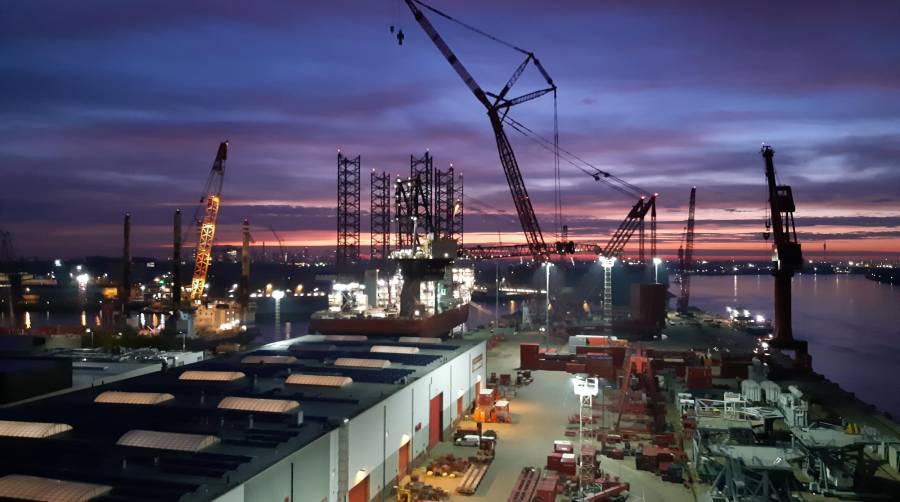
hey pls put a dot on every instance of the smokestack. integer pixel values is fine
(245, 271)
(176, 261)
(125, 288)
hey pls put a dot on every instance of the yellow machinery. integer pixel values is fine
(212, 199)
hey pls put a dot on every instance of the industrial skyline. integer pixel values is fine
(107, 111)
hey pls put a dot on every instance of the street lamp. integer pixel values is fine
(656, 262)
(547, 310)
(277, 295)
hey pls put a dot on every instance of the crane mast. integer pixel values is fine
(686, 256)
(497, 110)
(787, 257)
(207, 235)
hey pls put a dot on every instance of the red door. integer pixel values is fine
(360, 492)
(435, 419)
(459, 407)
(477, 391)
(404, 460)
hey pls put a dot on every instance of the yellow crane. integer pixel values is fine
(211, 199)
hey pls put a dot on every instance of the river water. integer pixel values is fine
(852, 325)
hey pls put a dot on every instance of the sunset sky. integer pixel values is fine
(109, 106)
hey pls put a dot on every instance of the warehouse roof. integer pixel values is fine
(200, 443)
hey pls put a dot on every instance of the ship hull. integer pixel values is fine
(437, 326)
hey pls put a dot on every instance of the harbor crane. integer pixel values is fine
(498, 106)
(211, 202)
(787, 258)
(686, 257)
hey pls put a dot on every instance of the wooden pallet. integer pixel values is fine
(526, 485)
(472, 478)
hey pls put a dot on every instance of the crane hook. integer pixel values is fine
(400, 37)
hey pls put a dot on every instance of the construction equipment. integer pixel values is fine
(634, 221)
(282, 256)
(686, 257)
(498, 106)
(787, 258)
(212, 200)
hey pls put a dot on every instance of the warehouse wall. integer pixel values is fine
(309, 469)
(376, 436)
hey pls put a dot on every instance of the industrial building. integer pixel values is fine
(315, 418)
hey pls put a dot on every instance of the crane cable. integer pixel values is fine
(471, 28)
(620, 185)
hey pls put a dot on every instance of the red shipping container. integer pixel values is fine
(528, 356)
(574, 368)
(554, 461)
(699, 378)
(547, 489)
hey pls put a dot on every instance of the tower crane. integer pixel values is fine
(686, 257)
(498, 106)
(787, 258)
(212, 200)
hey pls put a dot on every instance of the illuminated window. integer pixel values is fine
(10, 428)
(149, 398)
(318, 380)
(354, 362)
(211, 376)
(167, 440)
(20, 487)
(260, 405)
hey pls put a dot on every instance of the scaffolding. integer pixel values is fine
(448, 205)
(380, 214)
(348, 210)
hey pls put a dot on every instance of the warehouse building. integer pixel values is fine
(309, 419)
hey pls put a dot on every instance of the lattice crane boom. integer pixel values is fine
(212, 201)
(497, 111)
(686, 256)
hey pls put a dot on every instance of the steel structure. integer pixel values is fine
(244, 285)
(212, 200)
(405, 211)
(787, 256)
(176, 261)
(380, 216)
(125, 285)
(634, 221)
(458, 210)
(348, 212)
(8, 266)
(421, 171)
(686, 257)
(447, 205)
(498, 106)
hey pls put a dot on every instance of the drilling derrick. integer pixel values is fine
(458, 211)
(404, 202)
(348, 195)
(421, 171)
(212, 200)
(787, 258)
(380, 212)
(686, 257)
(445, 204)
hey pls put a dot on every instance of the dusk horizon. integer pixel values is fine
(106, 113)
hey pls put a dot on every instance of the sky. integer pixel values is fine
(109, 107)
